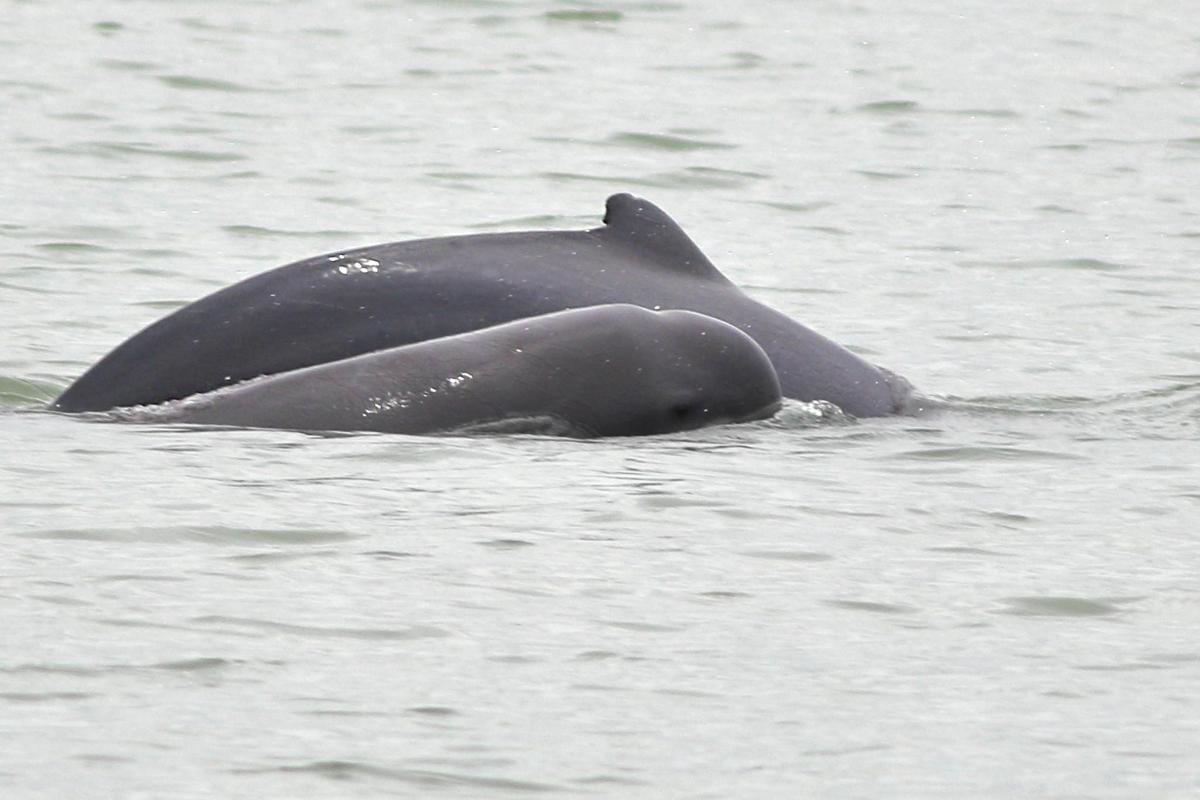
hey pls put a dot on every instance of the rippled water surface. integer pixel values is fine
(995, 598)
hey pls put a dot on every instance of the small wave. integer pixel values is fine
(700, 178)
(191, 82)
(787, 555)
(870, 607)
(25, 392)
(123, 65)
(993, 113)
(901, 107)
(983, 453)
(36, 86)
(662, 141)
(1081, 263)
(828, 230)
(536, 222)
(16, 287)
(43, 697)
(1166, 412)
(204, 534)
(889, 107)
(121, 150)
(584, 15)
(1056, 606)
(1183, 393)
(739, 61)
(799, 208)
(461, 175)
(316, 631)
(346, 771)
(72, 248)
(201, 664)
(877, 175)
(256, 231)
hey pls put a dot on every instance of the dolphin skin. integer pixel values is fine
(344, 304)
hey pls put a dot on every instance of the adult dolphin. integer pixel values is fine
(613, 370)
(344, 304)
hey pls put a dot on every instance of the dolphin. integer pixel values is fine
(611, 370)
(352, 302)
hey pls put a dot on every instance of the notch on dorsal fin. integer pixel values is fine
(646, 227)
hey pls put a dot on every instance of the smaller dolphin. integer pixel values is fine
(610, 370)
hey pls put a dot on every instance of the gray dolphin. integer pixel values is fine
(613, 370)
(358, 301)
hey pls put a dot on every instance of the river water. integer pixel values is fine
(997, 597)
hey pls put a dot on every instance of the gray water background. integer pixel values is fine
(994, 599)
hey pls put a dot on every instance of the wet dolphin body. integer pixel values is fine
(613, 370)
(335, 306)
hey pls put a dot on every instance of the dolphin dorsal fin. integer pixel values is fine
(647, 228)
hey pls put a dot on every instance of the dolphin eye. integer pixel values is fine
(682, 410)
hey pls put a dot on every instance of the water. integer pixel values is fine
(995, 598)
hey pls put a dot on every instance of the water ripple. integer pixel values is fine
(20, 392)
(123, 65)
(1062, 606)
(120, 150)
(257, 231)
(412, 632)
(191, 82)
(889, 107)
(1084, 264)
(592, 16)
(204, 534)
(787, 555)
(696, 177)
(870, 607)
(985, 453)
(43, 697)
(343, 771)
(662, 141)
